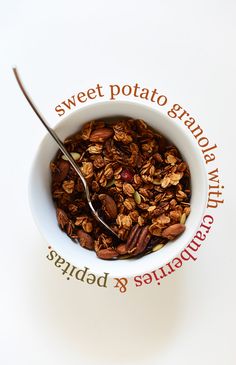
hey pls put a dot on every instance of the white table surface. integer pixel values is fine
(187, 50)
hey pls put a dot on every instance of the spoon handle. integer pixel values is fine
(51, 131)
(63, 149)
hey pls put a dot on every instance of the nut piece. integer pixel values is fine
(109, 206)
(143, 240)
(133, 237)
(85, 239)
(101, 134)
(136, 243)
(173, 231)
(59, 174)
(75, 155)
(107, 253)
(122, 248)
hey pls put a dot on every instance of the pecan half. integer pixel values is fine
(136, 243)
(173, 231)
(143, 240)
(108, 205)
(124, 248)
(133, 237)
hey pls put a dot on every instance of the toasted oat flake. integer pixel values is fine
(87, 169)
(128, 189)
(68, 186)
(95, 149)
(151, 208)
(171, 159)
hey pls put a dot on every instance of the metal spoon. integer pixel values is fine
(65, 152)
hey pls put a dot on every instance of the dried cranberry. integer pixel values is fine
(127, 175)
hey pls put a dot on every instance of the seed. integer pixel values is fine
(75, 156)
(183, 218)
(85, 239)
(137, 197)
(142, 242)
(110, 183)
(157, 247)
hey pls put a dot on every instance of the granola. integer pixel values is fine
(139, 185)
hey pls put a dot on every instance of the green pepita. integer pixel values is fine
(158, 247)
(137, 197)
(183, 218)
(110, 183)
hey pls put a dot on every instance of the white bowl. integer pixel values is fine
(43, 208)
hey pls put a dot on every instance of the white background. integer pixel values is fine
(186, 49)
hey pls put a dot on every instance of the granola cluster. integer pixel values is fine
(138, 181)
